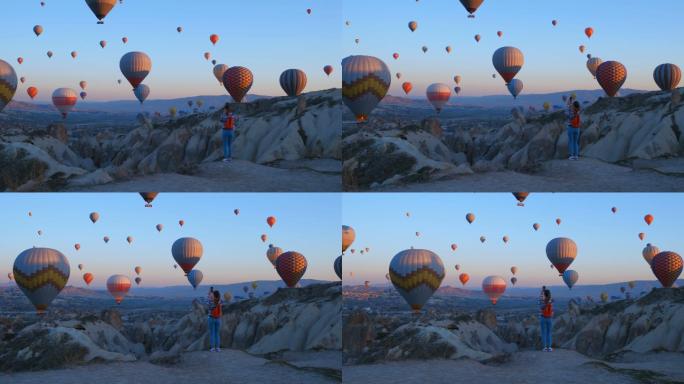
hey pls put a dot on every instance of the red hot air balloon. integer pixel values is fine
(20, 60)
(589, 31)
(238, 81)
(396, 56)
(291, 266)
(271, 220)
(611, 75)
(667, 266)
(181, 222)
(88, 278)
(648, 219)
(407, 87)
(328, 69)
(32, 92)
(494, 287)
(464, 277)
(499, 33)
(214, 39)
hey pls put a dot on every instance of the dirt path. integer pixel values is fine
(585, 175)
(236, 176)
(228, 366)
(560, 366)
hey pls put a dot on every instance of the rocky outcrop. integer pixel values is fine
(616, 130)
(268, 131)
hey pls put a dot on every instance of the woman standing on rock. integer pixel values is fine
(573, 115)
(214, 321)
(229, 120)
(546, 320)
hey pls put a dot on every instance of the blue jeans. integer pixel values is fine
(227, 143)
(573, 141)
(546, 328)
(214, 334)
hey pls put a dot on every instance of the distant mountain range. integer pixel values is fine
(504, 101)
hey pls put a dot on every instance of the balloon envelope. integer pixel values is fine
(338, 266)
(238, 81)
(348, 236)
(508, 61)
(365, 82)
(195, 277)
(611, 75)
(416, 274)
(666, 266)
(494, 287)
(187, 252)
(293, 82)
(118, 286)
(438, 95)
(667, 76)
(570, 277)
(135, 67)
(561, 252)
(291, 266)
(41, 274)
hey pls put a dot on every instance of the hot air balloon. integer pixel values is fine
(611, 75)
(141, 92)
(536, 226)
(482, 239)
(470, 218)
(148, 197)
(124, 40)
(514, 280)
(308, 11)
(338, 266)
(40, 232)
(32, 92)
(101, 8)
(570, 277)
(238, 81)
(135, 67)
(103, 43)
(413, 26)
(80, 267)
(64, 99)
(22, 79)
(454, 247)
(77, 246)
(129, 239)
(642, 236)
(438, 95)
(457, 79)
(348, 237)
(463, 277)
(457, 267)
(457, 90)
(554, 22)
(424, 49)
(407, 87)
(593, 64)
(272, 254)
(88, 278)
(614, 210)
(649, 252)
(138, 269)
(74, 54)
(293, 82)
(416, 274)
(328, 69)
(179, 29)
(195, 278)
(8, 84)
(118, 286)
(508, 61)
(41, 273)
(214, 39)
(471, 6)
(478, 38)
(648, 219)
(264, 237)
(521, 196)
(667, 76)
(494, 287)
(236, 212)
(138, 280)
(365, 82)
(187, 252)
(514, 270)
(20, 60)
(398, 75)
(181, 222)
(219, 71)
(505, 239)
(291, 266)
(94, 217)
(666, 266)
(499, 33)
(38, 30)
(515, 86)
(159, 227)
(582, 48)
(589, 31)
(558, 221)
(561, 251)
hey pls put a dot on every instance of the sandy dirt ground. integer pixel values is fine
(227, 366)
(585, 175)
(534, 367)
(237, 176)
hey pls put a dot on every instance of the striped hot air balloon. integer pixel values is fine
(438, 95)
(561, 251)
(8, 84)
(195, 278)
(101, 8)
(508, 61)
(272, 254)
(135, 67)
(494, 287)
(187, 252)
(416, 274)
(141, 92)
(348, 237)
(338, 266)
(365, 82)
(293, 82)
(666, 266)
(593, 64)
(41, 273)
(219, 70)
(515, 86)
(471, 6)
(238, 81)
(611, 75)
(291, 266)
(667, 76)
(64, 100)
(118, 286)
(649, 252)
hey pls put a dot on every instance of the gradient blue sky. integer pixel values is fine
(233, 251)
(640, 34)
(267, 36)
(609, 247)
